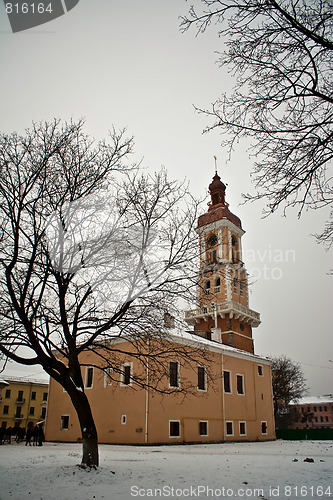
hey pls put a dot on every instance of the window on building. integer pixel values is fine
(201, 378)
(174, 428)
(229, 428)
(33, 395)
(203, 428)
(207, 287)
(325, 408)
(235, 285)
(43, 415)
(242, 428)
(241, 288)
(45, 396)
(227, 381)
(64, 422)
(123, 419)
(240, 384)
(31, 410)
(4, 425)
(326, 419)
(18, 413)
(126, 374)
(302, 409)
(5, 410)
(260, 370)
(7, 393)
(316, 419)
(320, 408)
(322, 419)
(20, 396)
(217, 287)
(296, 419)
(263, 427)
(308, 409)
(173, 374)
(314, 408)
(89, 377)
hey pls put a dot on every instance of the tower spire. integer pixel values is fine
(215, 164)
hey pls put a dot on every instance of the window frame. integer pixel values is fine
(89, 369)
(178, 375)
(123, 374)
(260, 369)
(241, 375)
(171, 422)
(231, 422)
(33, 396)
(204, 389)
(203, 422)
(230, 382)
(242, 422)
(62, 428)
(265, 423)
(123, 419)
(7, 394)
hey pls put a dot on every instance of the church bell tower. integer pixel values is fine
(222, 312)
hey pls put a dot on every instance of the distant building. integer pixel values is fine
(23, 400)
(235, 404)
(312, 412)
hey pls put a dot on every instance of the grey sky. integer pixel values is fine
(125, 63)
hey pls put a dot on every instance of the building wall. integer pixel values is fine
(23, 401)
(310, 415)
(146, 414)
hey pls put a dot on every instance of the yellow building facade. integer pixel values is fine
(23, 400)
(231, 397)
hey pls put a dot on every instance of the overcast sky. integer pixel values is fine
(125, 63)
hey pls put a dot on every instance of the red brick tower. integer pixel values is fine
(223, 312)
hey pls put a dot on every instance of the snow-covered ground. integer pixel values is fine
(250, 470)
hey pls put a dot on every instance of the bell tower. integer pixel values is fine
(222, 312)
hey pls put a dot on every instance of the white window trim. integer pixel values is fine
(123, 419)
(122, 374)
(226, 427)
(205, 381)
(203, 421)
(174, 437)
(245, 433)
(262, 371)
(86, 378)
(64, 428)
(264, 422)
(178, 375)
(243, 384)
(230, 380)
(107, 377)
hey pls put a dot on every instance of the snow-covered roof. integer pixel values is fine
(192, 338)
(312, 400)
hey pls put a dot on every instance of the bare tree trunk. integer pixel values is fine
(88, 429)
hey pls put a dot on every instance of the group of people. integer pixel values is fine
(34, 434)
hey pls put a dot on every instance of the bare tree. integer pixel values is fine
(90, 252)
(281, 55)
(289, 384)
